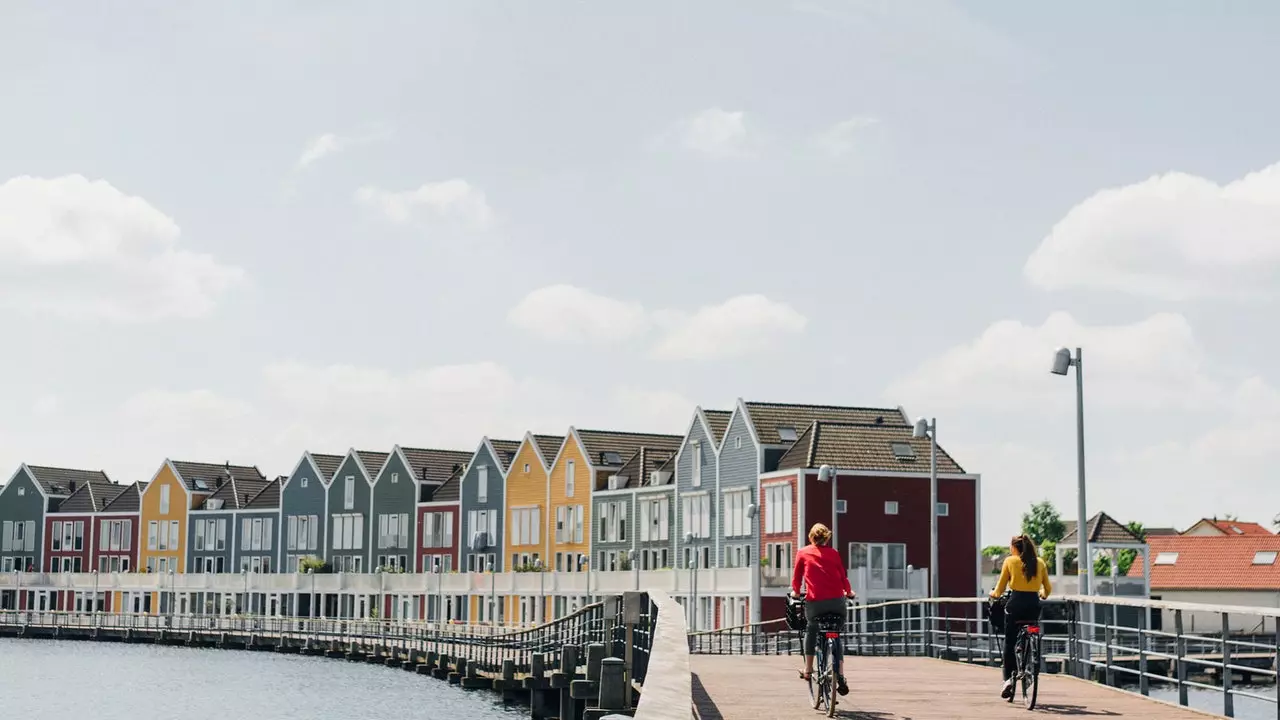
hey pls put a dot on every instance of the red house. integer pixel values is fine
(882, 508)
(438, 526)
(115, 531)
(68, 532)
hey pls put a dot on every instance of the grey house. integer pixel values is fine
(349, 496)
(633, 514)
(757, 436)
(30, 494)
(409, 475)
(212, 527)
(482, 492)
(695, 502)
(304, 509)
(257, 548)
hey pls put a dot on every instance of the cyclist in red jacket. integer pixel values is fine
(827, 587)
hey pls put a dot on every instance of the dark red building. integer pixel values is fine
(68, 534)
(883, 527)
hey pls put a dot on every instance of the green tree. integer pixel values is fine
(994, 552)
(1043, 522)
(1125, 558)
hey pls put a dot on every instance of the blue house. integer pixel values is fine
(304, 509)
(482, 490)
(695, 499)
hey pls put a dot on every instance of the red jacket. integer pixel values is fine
(823, 573)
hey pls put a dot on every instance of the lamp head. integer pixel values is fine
(1061, 361)
(826, 473)
(921, 429)
(752, 510)
(688, 538)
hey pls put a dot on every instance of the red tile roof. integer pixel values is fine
(1231, 527)
(1212, 562)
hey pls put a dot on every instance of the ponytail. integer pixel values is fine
(1027, 551)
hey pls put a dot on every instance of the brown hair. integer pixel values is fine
(819, 534)
(1026, 548)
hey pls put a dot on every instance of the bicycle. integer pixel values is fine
(823, 680)
(1027, 654)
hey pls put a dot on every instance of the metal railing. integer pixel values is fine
(1131, 643)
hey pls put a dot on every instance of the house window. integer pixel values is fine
(569, 479)
(395, 478)
(885, 563)
(613, 521)
(164, 499)
(22, 491)
(944, 509)
(525, 523)
(1166, 558)
(199, 535)
(842, 506)
(437, 530)
(526, 468)
(780, 557)
(152, 533)
(1264, 557)
(736, 522)
(696, 448)
(655, 519)
(348, 532)
(55, 537)
(777, 508)
(697, 515)
(482, 488)
(349, 493)
(737, 443)
(890, 507)
(303, 483)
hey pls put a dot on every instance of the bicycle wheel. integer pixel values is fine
(832, 678)
(816, 695)
(1031, 672)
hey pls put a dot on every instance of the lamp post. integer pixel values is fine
(830, 474)
(435, 567)
(1062, 363)
(693, 580)
(95, 596)
(584, 561)
(17, 593)
(382, 593)
(542, 591)
(753, 560)
(929, 428)
(493, 595)
(244, 575)
(173, 596)
(311, 601)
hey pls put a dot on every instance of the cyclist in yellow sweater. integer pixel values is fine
(1028, 577)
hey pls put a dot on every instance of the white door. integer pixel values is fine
(877, 566)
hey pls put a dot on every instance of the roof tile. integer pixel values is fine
(719, 422)
(768, 417)
(869, 447)
(597, 443)
(89, 497)
(127, 500)
(1102, 529)
(1213, 562)
(62, 481)
(435, 466)
(204, 477)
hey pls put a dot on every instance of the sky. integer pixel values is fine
(236, 231)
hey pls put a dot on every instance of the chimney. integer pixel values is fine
(71, 486)
(245, 501)
(217, 482)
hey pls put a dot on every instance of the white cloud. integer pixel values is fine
(326, 144)
(713, 132)
(456, 201)
(841, 139)
(734, 327)
(46, 406)
(565, 313)
(1173, 237)
(82, 248)
(561, 313)
(1152, 364)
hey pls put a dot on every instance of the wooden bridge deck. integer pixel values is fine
(735, 687)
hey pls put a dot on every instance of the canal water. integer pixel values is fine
(1209, 701)
(114, 681)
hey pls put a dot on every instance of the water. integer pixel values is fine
(110, 681)
(1211, 702)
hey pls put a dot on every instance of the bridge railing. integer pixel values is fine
(1131, 643)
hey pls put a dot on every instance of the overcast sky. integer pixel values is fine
(238, 230)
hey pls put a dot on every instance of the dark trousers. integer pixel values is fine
(1022, 607)
(813, 609)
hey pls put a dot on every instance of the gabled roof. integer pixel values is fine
(505, 450)
(89, 497)
(642, 462)
(1213, 562)
(372, 461)
(848, 446)
(718, 421)
(61, 482)
(600, 445)
(268, 498)
(766, 417)
(235, 493)
(450, 490)
(1160, 531)
(548, 447)
(204, 477)
(128, 500)
(1102, 529)
(327, 465)
(1229, 527)
(435, 466)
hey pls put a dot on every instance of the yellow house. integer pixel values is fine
(585, 462)
(177, 488)
(524, 537)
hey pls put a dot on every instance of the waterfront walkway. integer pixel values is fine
(737, 687)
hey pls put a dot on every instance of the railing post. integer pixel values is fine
(1144, 683)
(1180, 649)
(1228, 702)
(1109, 633)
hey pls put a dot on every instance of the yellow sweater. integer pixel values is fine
(1011, 576)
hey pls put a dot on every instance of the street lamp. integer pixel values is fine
(929, 428)
(17, 592)
(435, 567)
(95, 596)
(311, 601)
(493, 595)
(1062, 362)
(244, 575)
(693, 579)
(585, 561)
(754, 562)
(382, 593)
(827, 473)
(173, 596)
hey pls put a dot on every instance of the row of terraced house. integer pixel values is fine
(738, 489)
